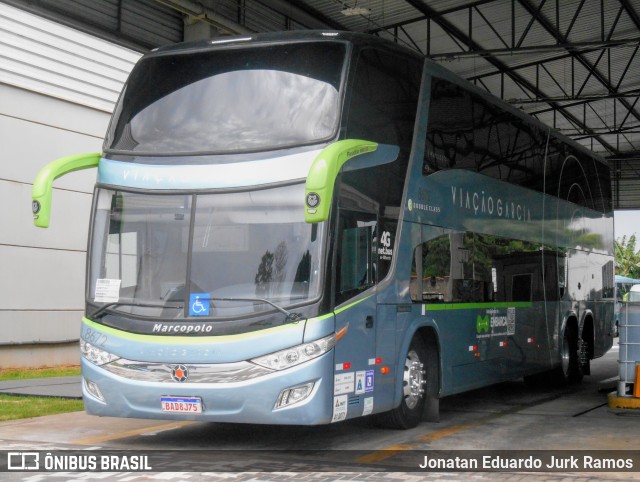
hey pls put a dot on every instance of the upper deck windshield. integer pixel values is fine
(153, 254)
(230, 99)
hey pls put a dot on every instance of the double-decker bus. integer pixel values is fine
(304, 228)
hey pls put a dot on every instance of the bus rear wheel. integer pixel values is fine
(569, 370)
(409, 413)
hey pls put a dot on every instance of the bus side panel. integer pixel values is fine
(355, 380)
(590, 290)
(483, 343)
(604, 328)
(389, 329)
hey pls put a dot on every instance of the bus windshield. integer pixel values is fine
(218, 256)
(230, 100)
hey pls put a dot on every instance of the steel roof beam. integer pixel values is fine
(303, 14)
(453, 31)
(569, 47)
(577, 100)
(592, 69)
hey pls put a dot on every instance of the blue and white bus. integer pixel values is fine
(308, 227)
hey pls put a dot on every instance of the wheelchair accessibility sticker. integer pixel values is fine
(199, 304)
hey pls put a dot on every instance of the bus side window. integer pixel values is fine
(562, 273)
(430, 274)
(521, 287)
(356, 270)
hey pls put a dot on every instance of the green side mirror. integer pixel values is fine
(43, 185)
(326, 166)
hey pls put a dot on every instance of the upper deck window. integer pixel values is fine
(468, 131)
(230, 100)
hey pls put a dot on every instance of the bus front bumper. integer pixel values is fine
(248, 401)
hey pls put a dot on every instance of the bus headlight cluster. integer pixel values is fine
(96, 355)
(296, 355)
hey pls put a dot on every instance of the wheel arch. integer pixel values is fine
(570, 325)
(588, 333)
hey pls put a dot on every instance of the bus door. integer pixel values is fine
(355, 275)
(520, 282)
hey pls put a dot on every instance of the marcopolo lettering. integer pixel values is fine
(185, 329)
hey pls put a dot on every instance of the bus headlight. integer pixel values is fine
(296, 355)
(96, 355)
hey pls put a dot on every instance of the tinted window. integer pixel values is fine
(384, 98)
(230, 100)
(465, 131)
(357, 233)
(463, 267)
(578, 178)
(521, 287)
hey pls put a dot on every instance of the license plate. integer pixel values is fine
(181, 404)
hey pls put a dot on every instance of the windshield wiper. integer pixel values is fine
(100, 311)
(291, 317)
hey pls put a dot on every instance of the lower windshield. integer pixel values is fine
(207, 255)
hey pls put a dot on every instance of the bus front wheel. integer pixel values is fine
(414, 381)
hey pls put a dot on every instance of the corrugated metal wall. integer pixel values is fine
(49, 58)
(140, 24)
(57, 88)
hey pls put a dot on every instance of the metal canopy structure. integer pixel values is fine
(573, 64)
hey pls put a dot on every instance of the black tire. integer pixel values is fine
(409, 413)
(569, 371)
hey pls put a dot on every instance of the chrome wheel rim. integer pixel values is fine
(414, 380)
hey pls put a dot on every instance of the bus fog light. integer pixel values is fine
(93, 389)
(290, 396)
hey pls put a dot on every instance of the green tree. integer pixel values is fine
(627, 257)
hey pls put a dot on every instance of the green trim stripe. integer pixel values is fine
(476, 306)
(190, 339)
(340, 310)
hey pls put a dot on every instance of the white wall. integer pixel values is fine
(57, 88)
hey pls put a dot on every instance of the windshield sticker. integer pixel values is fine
(199, 304)
(385, 252)
(107, 290)
(339, 408)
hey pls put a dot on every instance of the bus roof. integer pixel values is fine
(286, 36)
